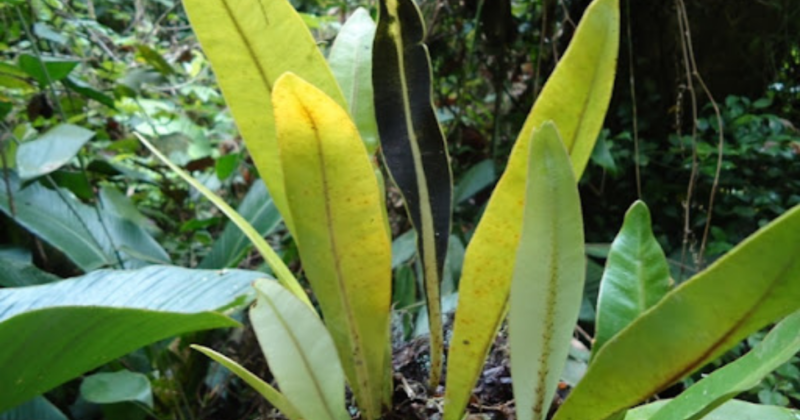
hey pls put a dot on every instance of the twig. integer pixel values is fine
(693, 175)
(720, 143)
(632, 80)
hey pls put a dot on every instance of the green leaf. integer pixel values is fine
(404, 247)
(12, 77)
(38, 408)
(475, 180)
(601, 155)
(337, 205)
(756, 283)
(273, 260)
(636, 276)
(259, 385)
(778, 347)
(118, 203)
(414, 147)
(48, 69)
(226, 165)
(251, 43)
(575, 98)
(55, 332)
(232, 245)
(83, 88)
(351, 63)
(732, 410)
(17, 273)
(75, 229)
(547, 289)
(51, 150)
(153, 58)
(116, 387)
(300, 353)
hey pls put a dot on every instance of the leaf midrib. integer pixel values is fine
(360, 364)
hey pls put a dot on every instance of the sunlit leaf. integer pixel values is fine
(576, 98)
(250, 43)
(339, 228)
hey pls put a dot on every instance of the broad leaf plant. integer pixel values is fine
(312, 129)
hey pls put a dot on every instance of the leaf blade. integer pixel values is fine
(345, 249)
(414, 147)
(350, 60)
(487, 272)
(300, 353)
(636, 276)
(695, 322)
(250, 43)
(266, 390)
(273, 260)
(780, 345)
(547, 289)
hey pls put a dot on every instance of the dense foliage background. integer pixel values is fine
(702, 127)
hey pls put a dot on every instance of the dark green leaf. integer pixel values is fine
(16, 273)
(46, 70)
(226, 165)
(84, 89)
(413, 146)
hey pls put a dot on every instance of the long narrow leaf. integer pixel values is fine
(351, 62)
(636, 276)
(780, 345)
(266, 390)
(273, 260)
(300, 353)
(576, 98)
(340, 231)
(547, 289)
(413, 146)
(250, 43)
(756, 283)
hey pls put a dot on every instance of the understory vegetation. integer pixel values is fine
(354, 210)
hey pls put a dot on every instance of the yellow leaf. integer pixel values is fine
(250, 43)
(336, 203)
(576, 98)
